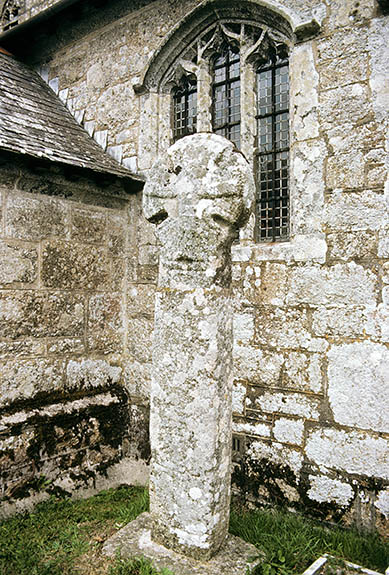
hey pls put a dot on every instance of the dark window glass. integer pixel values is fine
(184, 109)
(273, 150)
(226, 95)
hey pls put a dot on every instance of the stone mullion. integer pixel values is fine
(248, 111)
(204, 97)
(248, 127)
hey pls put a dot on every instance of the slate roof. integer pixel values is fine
(34, 121)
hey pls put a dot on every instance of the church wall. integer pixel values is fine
(311, 337)
(95, 75)
(33, 7)
(67, 423)
(311, 319)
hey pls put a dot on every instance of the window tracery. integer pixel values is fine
(233, 80)
(256, 31)
(9, 14)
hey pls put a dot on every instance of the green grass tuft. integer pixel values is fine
(64, 537)
(47, 541)
(291, 542)
(139, 566)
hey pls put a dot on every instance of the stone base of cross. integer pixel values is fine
(235, 557)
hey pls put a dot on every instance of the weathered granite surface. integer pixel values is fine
(198, 194)
(236, 557)
(311, 314)
(65, 241)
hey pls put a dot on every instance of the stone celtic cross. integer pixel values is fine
(198, 194)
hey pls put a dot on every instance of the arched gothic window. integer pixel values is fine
(222, 67)
(225, 69)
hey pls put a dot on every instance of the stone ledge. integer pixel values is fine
(134, 540)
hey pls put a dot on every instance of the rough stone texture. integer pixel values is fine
(89, 373)
(28, 379)
(287, 328)
(325, 489)
(338, 323)
(277, 454)
(17, 264)
(31, 218)
(382, 502)
(235, 557)
(41, 314)
(288, 430)
(343, 211)
(198, 194)
(358, 376)
(60, 447)
(307, 311)
(62, 333)
(356, 246)
(68, 265)
(288, 404)
(253, 364)
(350, 451)
(333, 286)
(105, 323)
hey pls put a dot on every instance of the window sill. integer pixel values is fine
(301, 248)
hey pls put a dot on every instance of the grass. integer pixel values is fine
(63, 537)
(135, 567)
(291, 543)
(52, 539)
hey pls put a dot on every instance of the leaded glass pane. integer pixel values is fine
(281, 88)
(264, 92)
(184, 109)
(226, 95)
(273, 150)
(281, 122)
(265, 134)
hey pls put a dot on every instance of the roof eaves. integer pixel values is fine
(120, 172)
(24, 130)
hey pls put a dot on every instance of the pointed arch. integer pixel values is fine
(254, 13)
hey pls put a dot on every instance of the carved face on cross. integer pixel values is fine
(198, 194)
